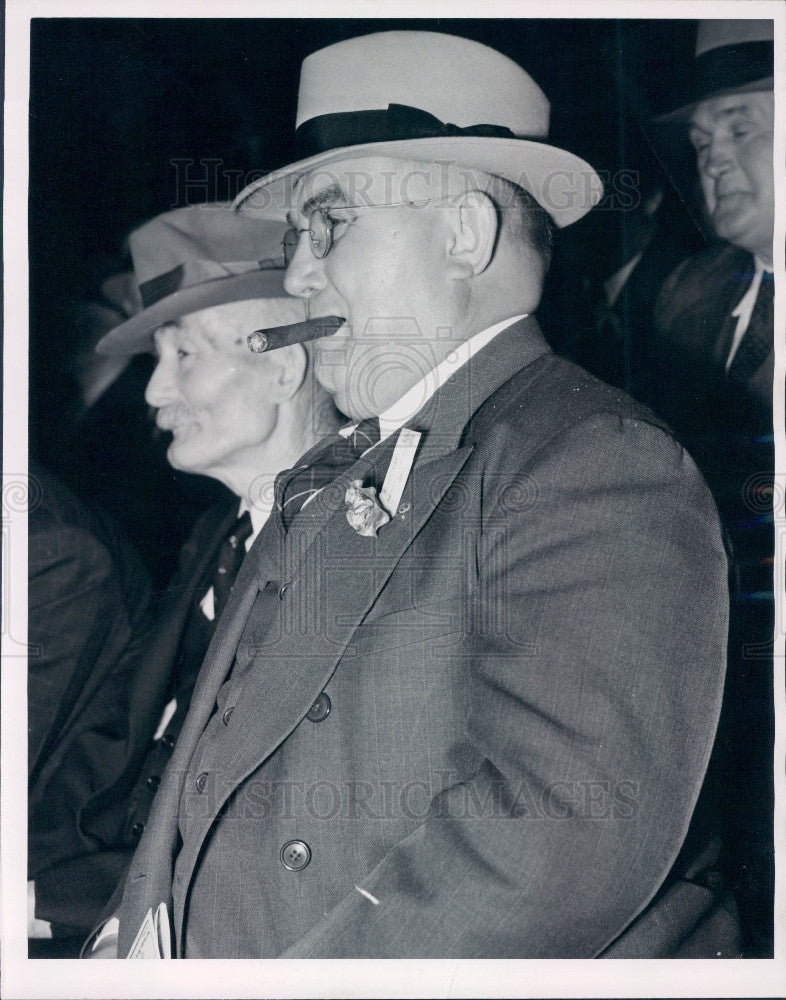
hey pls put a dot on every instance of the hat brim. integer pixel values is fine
(563, 184)
(134, 335)
(683, 114)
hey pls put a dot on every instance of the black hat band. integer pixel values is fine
(397, 122)
(199, 272)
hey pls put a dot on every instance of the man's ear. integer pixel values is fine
(474, 236)
(289, 365)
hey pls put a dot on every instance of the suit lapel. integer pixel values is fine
(258, 566)
(185, 591)
(149, 879)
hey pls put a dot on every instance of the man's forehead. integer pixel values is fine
(204, 325)
(369, 181)
(719, 110)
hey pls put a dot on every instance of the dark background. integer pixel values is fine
(132, 117)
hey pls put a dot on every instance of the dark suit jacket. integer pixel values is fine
(615, 342)
(727, 428)
(89, 616)
(694, 323)
(90, 826)
(525, 669)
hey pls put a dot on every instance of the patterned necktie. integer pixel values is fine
(757, 342)
(295, 487)
(230, 559)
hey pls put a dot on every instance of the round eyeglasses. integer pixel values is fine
(320, 227)
(320, 236)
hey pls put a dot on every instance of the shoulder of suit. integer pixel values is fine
(549, 396)
(708, 281)
(51, 504)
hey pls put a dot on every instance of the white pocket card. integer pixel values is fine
(153, 939)
(399, 469)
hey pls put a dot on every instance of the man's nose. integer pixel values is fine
(718, 157)
(160, 388)
(304, 275)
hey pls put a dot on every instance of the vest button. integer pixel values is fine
(295, 855)
(320, 709)
(136, 829)
(201, 781)
(153, 781)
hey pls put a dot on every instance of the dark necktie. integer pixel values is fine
(295, 487)
(757, 341)
(230, 558)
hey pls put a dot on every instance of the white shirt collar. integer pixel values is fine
(259, 512)
(415, 399)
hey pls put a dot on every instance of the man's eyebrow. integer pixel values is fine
(334, 194)
(735, 109)
(170, 324)
(725, 114)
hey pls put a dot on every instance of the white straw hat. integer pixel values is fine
(427, 97)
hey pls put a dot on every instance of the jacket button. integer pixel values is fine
(153, 781)
(282, 590)
(201, 781)
(136, 829)
(320, 709)
(295, 855)
(227, 715)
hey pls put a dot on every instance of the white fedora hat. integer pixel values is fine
(433, 98)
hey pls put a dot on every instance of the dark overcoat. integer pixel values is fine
(86, 816)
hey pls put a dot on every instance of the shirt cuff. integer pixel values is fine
(36, 928)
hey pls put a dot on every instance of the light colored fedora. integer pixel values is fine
(427, 97)
(732, 57)
(193, 258)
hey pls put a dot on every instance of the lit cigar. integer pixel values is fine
(295, 333)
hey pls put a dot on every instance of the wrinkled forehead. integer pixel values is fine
(757, 106)
(192, 330)
(225, 326)
(380, 181)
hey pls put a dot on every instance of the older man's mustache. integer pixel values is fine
(261, 341)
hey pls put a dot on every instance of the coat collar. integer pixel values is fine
(445, 415)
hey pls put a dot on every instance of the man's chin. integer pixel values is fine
(734, 218)
(178, 458)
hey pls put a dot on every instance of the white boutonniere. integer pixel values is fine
(367, 513)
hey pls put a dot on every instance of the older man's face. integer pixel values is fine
(211, 392)
(733, 138)
(384, 273)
